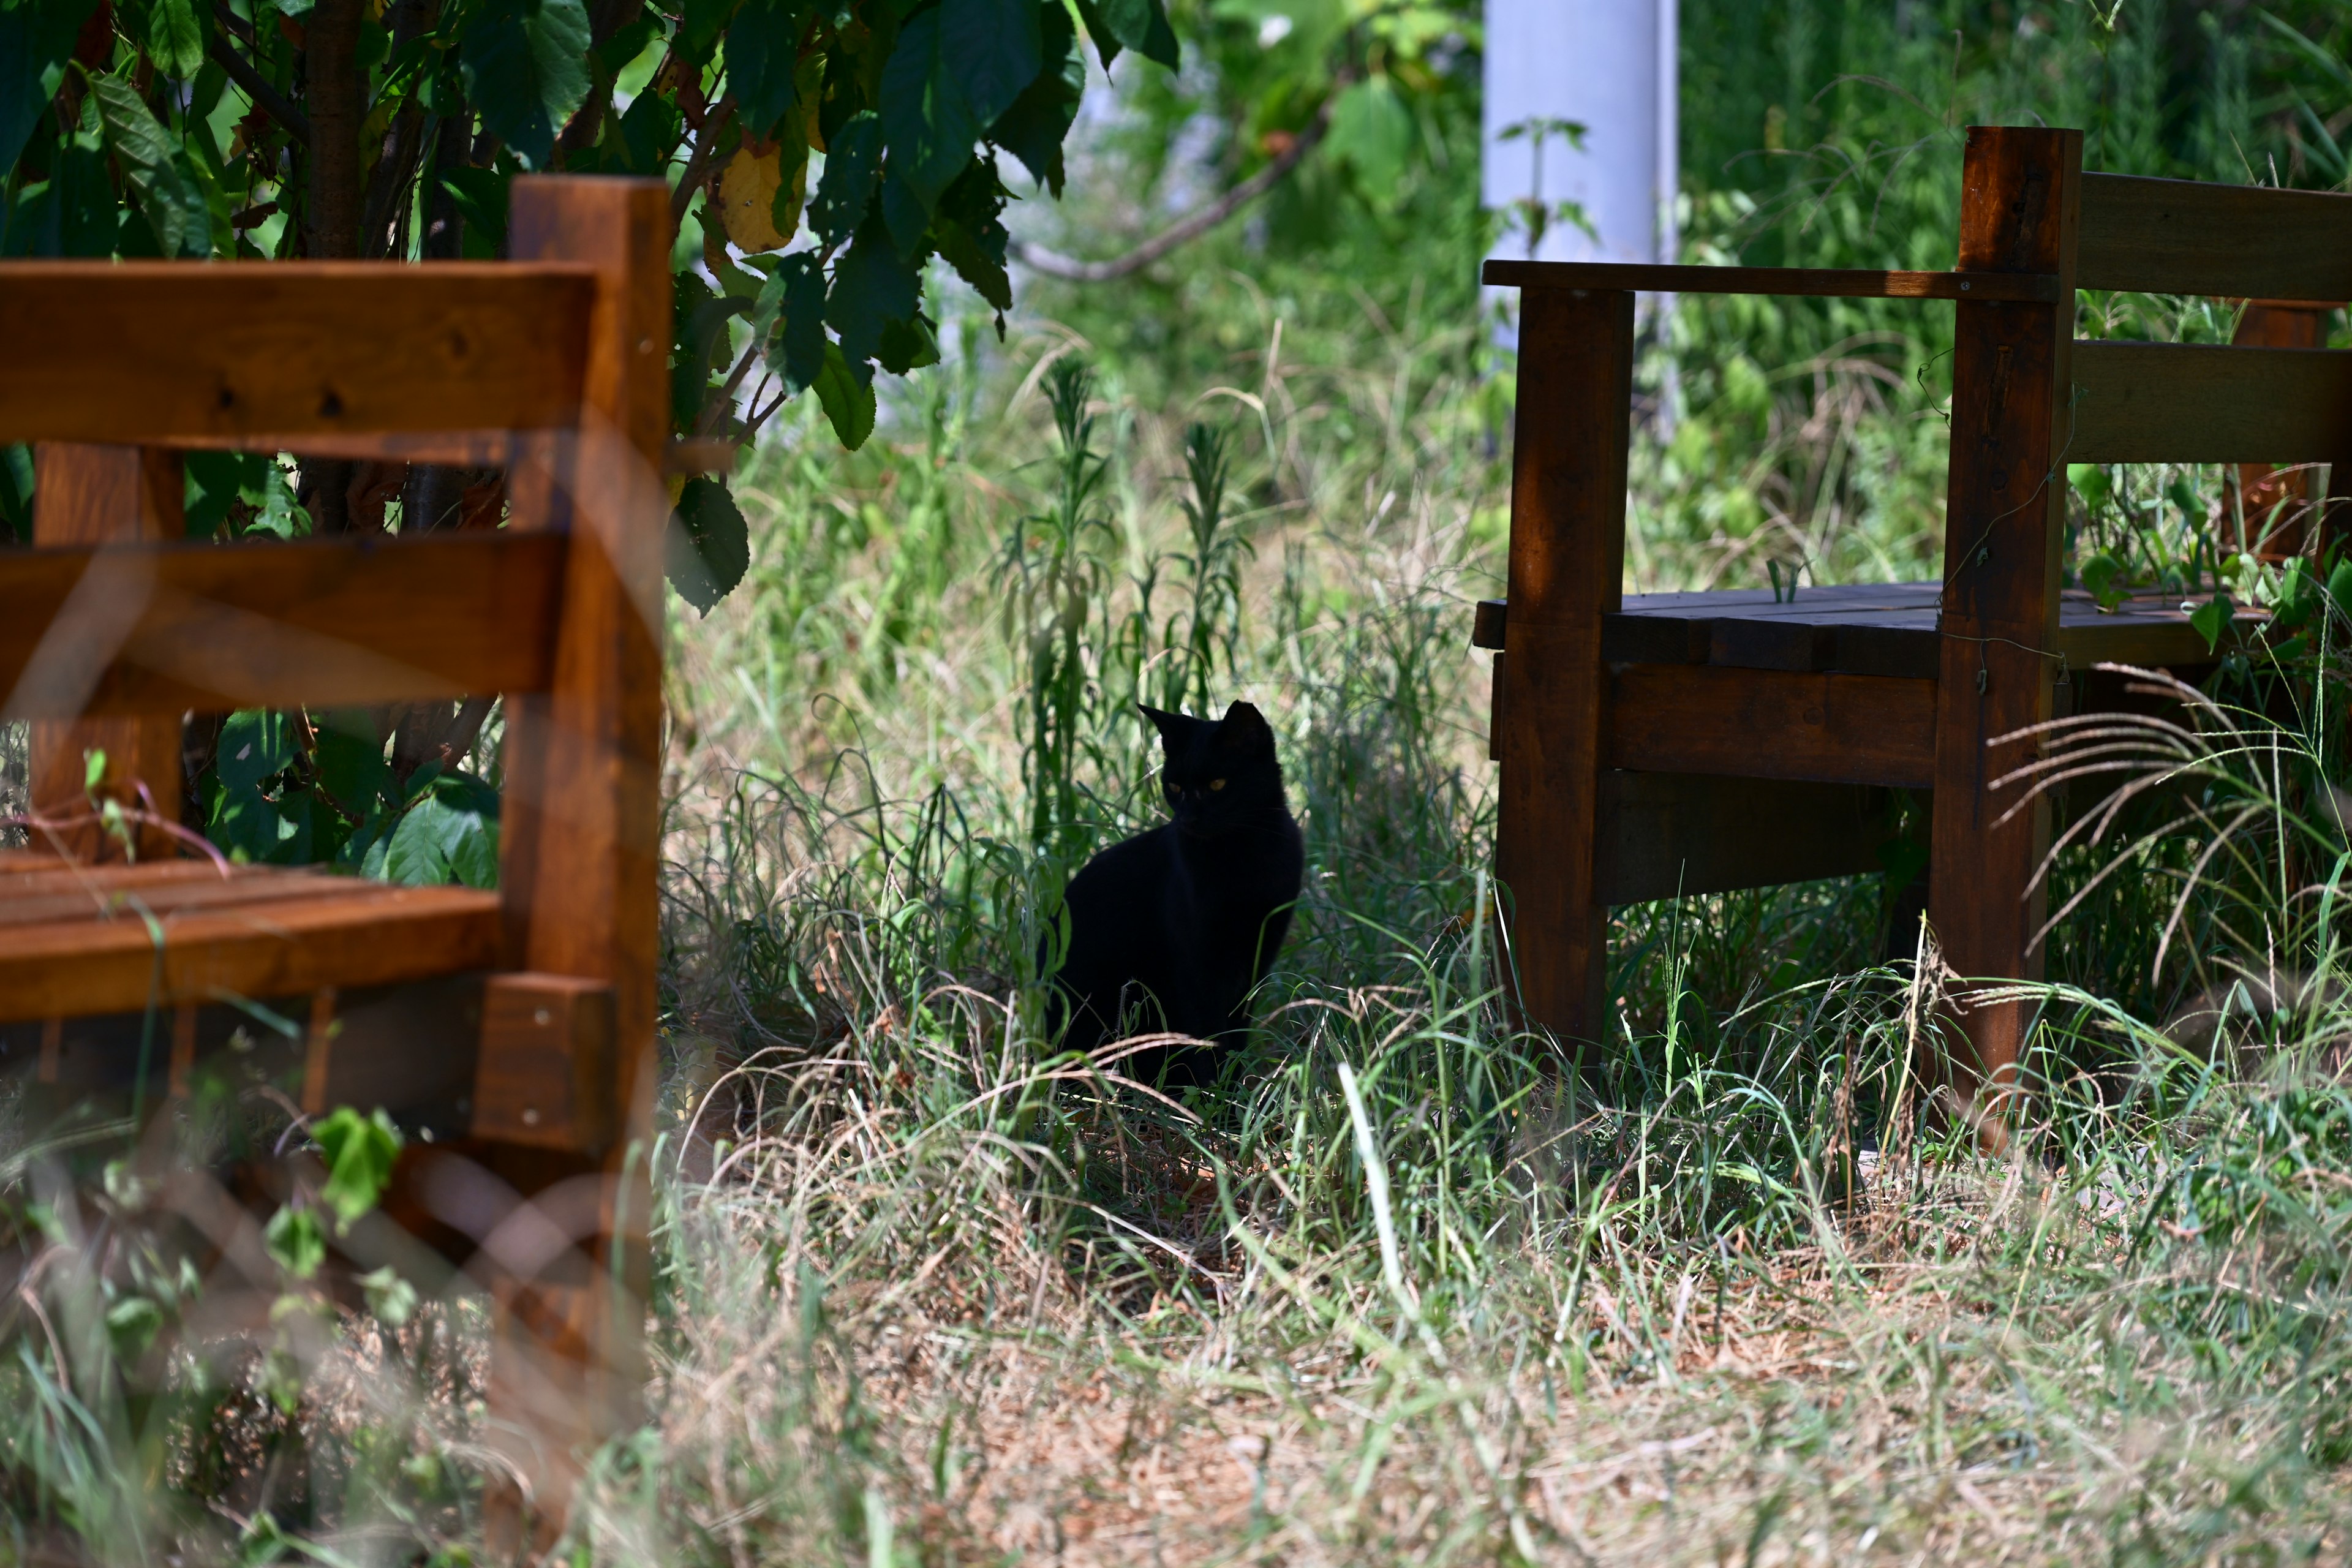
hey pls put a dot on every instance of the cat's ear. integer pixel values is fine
(1169, 725)
(1244, 731)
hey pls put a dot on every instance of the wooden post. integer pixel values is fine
(2020, 192)
(580, 848)
(104, 495)
(1566, 571)
(2288, 324)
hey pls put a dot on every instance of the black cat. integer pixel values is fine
(1174, 928)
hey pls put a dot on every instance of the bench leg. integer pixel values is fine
(1567, 566)
(2005, 526)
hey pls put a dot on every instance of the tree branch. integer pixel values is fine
(1037, 259)
(699, 166)
(274, 103)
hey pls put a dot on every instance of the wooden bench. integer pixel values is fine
(1631, 730)
(518, 1023)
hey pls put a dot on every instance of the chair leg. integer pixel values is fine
(1567, 551)
(2004, 529)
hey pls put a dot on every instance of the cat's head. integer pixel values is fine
(1218, 773)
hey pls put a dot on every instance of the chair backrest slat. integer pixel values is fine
(2184, 236)
(167, 628)
(2205, 403)
(289, 349)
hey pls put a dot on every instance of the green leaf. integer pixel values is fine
(848, 397)
(294, 1239)
(1137, 24)
(699, 26)
(255, 749)
(352, 766)
(391, 1299)
(36, 38)
(993, 49)
(255, 746)
(175, 38)
(2103, 575)
(525, 64)
(872, 287)
(132, 1323)
(2211, 620)
(480, 196)
(2091, 482)
(359, 1151)
(2339, 587)
(650, 129)
(909, 345)
(791, 319)
(1034, 129)
(974, 264)
(708, 544)
(449, 833)
(763, 46)
(143, 149)
(851, 163)
(1372, 132)
(928, 118)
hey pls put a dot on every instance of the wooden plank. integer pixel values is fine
(2184, 236)
(1760, 643)
(1676, 834)
(454, 448)
(544, 1077)
(1896, 637)
(2274, 502)
(104, 496)
(1568, 544)
(288, 349)
(581, 841)
(325, 622)
(1811, 281)
(370, 935)
(2004, 528)
(1656, 639)
(1768, 723)
(1908, 652)
(211, 890)
(2207, 402)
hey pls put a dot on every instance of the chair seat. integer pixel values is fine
(77, 940)
(1886, 628)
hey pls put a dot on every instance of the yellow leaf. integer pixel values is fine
(789, 220)
(747, 200)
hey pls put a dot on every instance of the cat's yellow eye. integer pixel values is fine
(1216, 783)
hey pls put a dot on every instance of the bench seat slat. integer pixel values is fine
(325, 932)
(1886, 630)
(343, 622)
(1815, 282)
(231, 350)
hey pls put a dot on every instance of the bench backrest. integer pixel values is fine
(554, 364)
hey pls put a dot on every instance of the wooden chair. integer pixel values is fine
(1634, 733)
(532, 1046)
